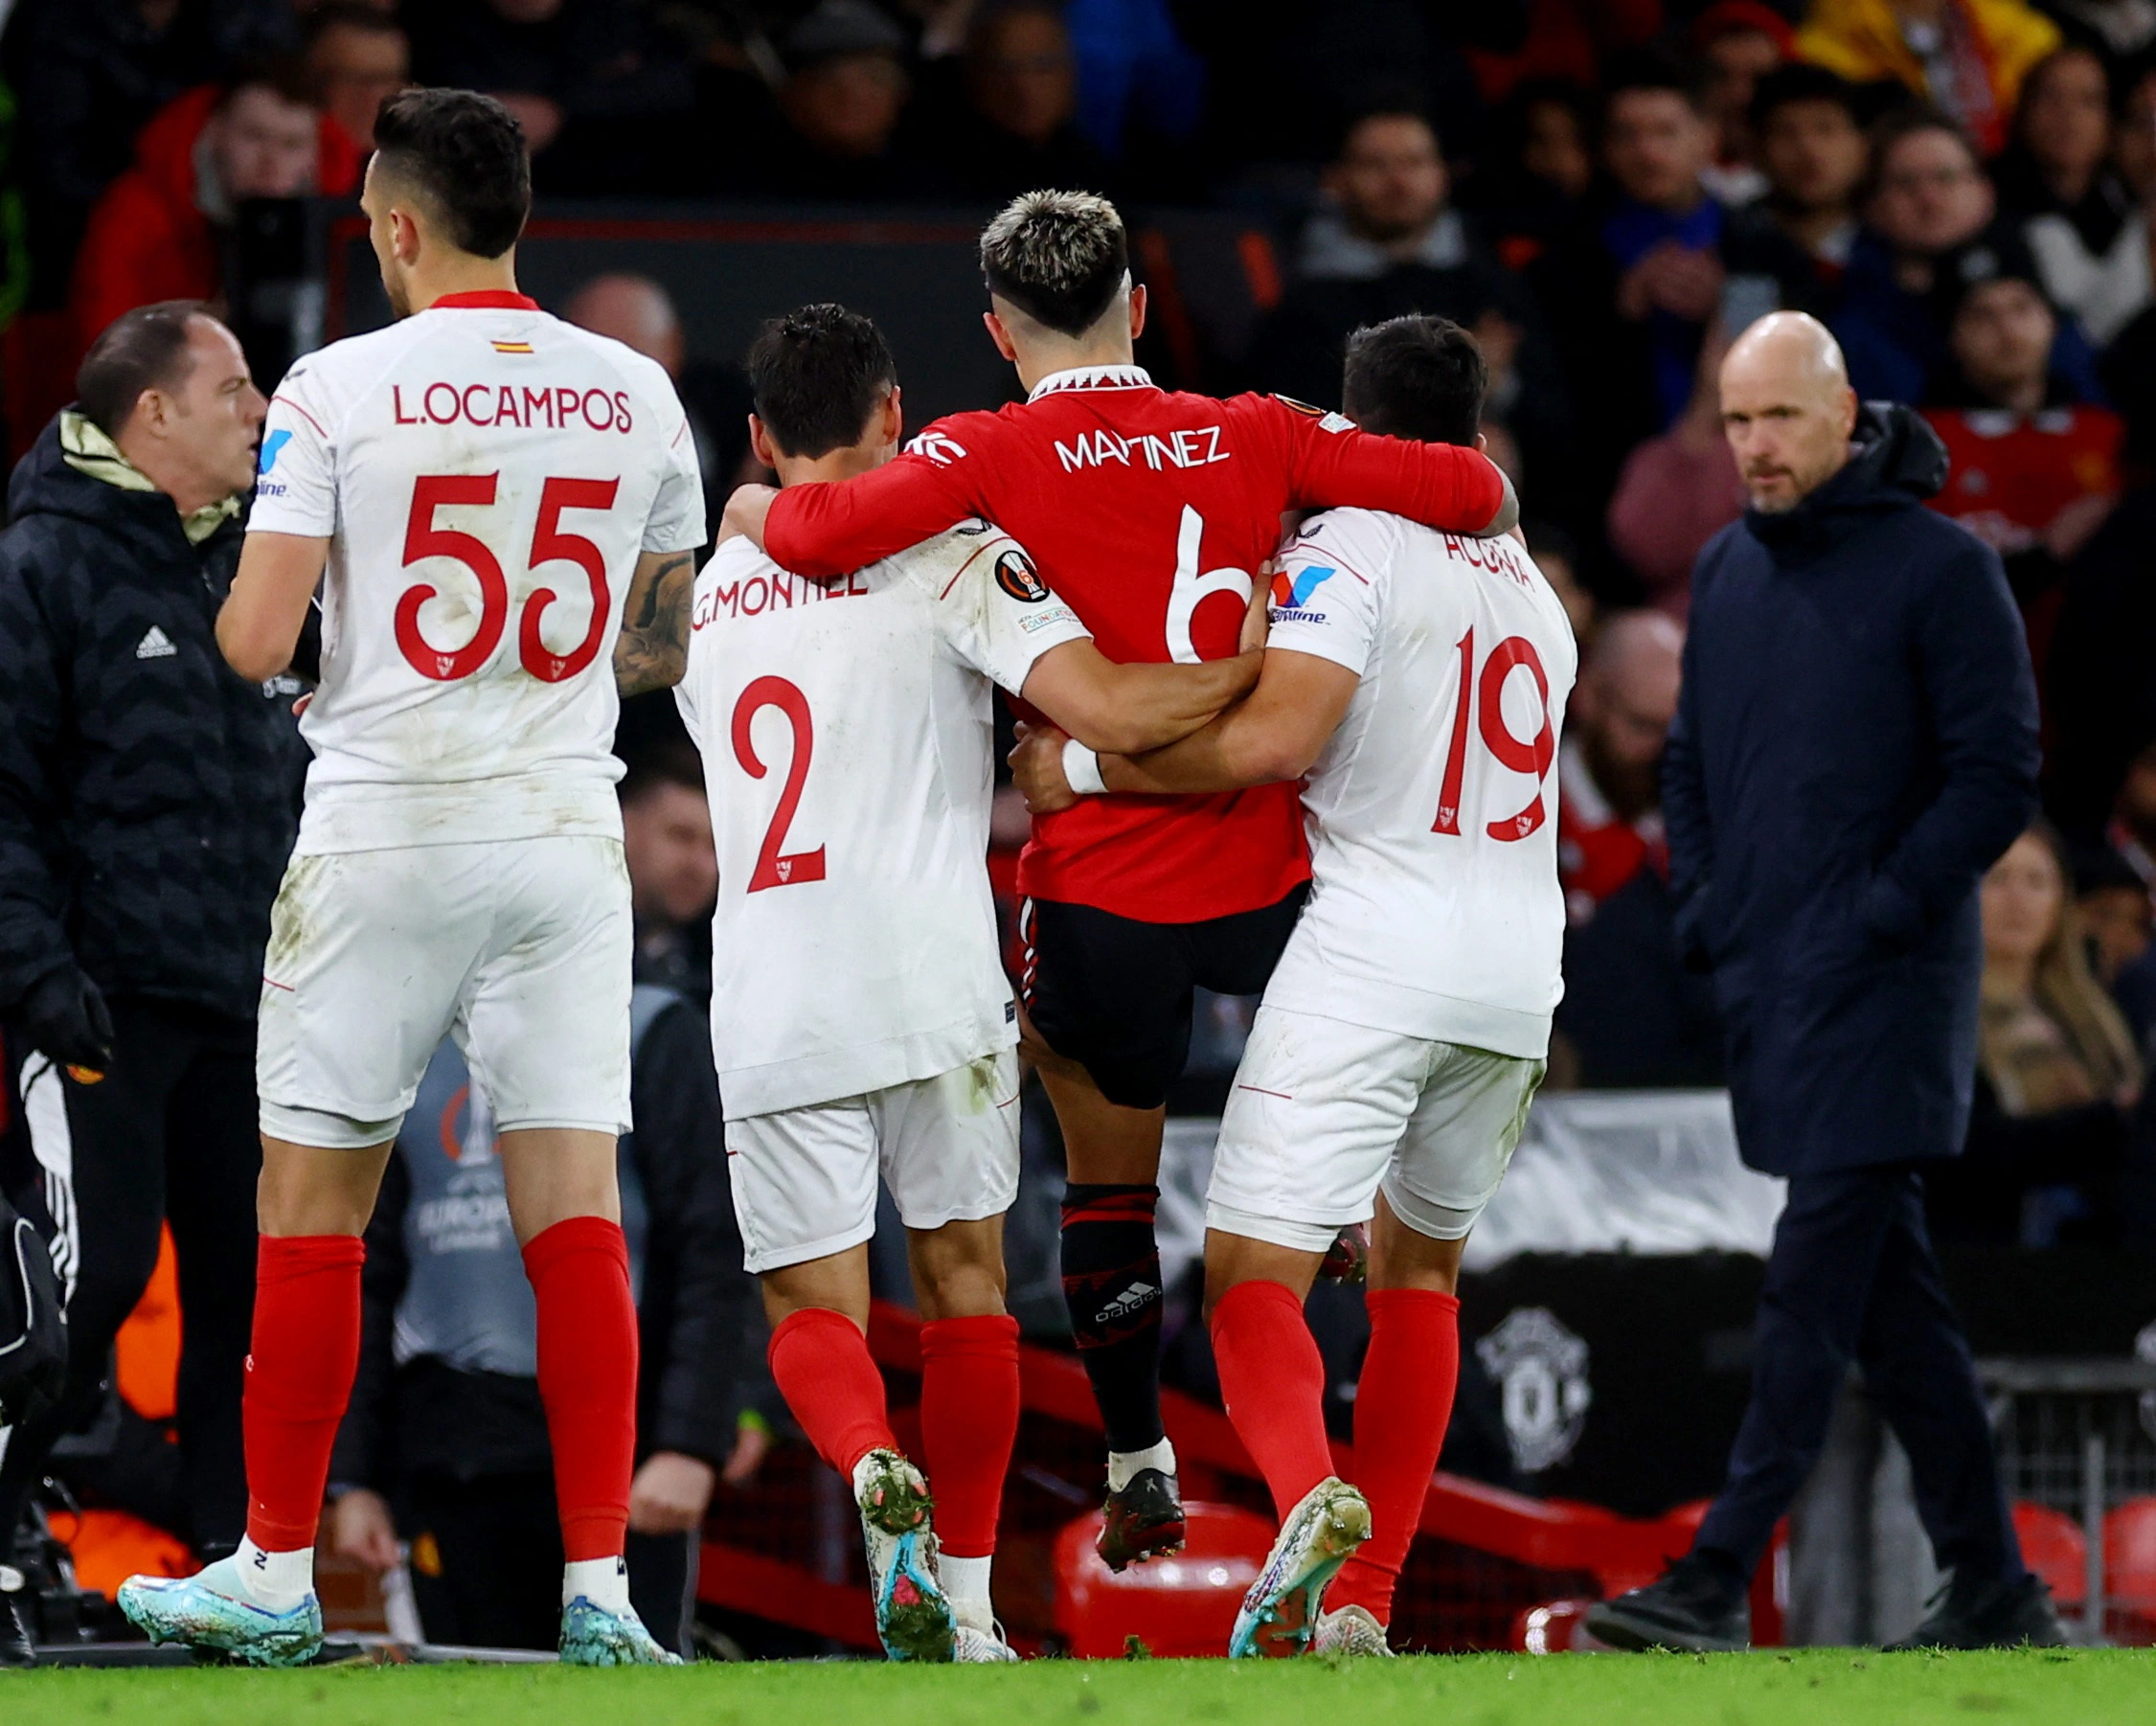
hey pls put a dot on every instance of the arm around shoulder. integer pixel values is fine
(1126, 708)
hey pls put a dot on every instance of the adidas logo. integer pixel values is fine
(156, 645)
(1134, 1299)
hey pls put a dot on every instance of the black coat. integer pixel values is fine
(149, 796)
(2100, 680)
(1855, 744)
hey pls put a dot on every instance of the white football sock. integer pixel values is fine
(278, 1580)
(602, 1581)
(1123, 1463)
(965, 1585)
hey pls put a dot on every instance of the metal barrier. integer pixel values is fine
(2075, 1439)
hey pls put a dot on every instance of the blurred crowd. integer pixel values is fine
(1606, 191)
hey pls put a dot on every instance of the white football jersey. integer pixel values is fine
(848, 746)
(1435, 909)
(486, 476)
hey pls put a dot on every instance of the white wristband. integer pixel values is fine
(1082, 768)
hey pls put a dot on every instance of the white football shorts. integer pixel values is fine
(1323, 1113)
(521, 948)
(804, 1179)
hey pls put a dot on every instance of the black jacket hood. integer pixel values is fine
(1897, 461)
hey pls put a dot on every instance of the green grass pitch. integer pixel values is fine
(1840, 1688)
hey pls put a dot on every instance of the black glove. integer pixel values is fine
(66, 1017)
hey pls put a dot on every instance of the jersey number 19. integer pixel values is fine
(1530, 757)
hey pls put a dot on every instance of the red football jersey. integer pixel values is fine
(2012, 473)
(1148, 513)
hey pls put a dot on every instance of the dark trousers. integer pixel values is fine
(1851, 1277)
(169, 1134)
(486, 1565)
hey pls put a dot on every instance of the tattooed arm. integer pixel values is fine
(653, 647)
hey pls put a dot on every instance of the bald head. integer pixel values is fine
(1637, 650)
(1788, 344)
(1624, 705)
(1787, 409)
(635, 311)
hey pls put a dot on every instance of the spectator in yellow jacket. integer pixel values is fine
(1966, 56)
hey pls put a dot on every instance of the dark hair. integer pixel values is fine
(350, 15)
(817, 375)
(668, 760)
(144, 348)
(283, 75)
(1652, 69)
(1384, 101)
(1059, 257)
(1420, 378)
(464, 153)
(1905, 122)
(1800, 80)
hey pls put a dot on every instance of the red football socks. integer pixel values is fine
(968, 1423)
(821, 1363)
(1402, 1407)
(1272, 1379)
(580, 1272)
(304, 1352)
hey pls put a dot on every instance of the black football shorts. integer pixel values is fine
(1115, 994)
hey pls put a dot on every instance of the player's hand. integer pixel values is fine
(744, 515)
(671, 1493)
(64, 1017)
(1257, 615)
(1037, 767)
(361, 1529)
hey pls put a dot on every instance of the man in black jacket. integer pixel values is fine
(147, 799)
(1855, 744)
(446, 1417)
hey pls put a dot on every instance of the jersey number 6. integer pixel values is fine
(1529, 756)
(775, 867)
(548, 544)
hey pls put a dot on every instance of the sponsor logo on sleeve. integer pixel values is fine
(937, 447)
(1328, 421)
(273, 446)
(1293, 590)
(1017, 576)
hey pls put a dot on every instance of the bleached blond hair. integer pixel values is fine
(1061, 258)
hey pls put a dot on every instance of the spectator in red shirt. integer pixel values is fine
(1609, 767)
(2034, 473)
(153, 235)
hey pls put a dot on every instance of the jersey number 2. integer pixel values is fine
(1531, 755)
(775, 867)
(548, 544)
